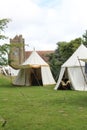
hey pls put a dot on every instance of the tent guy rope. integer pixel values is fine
(82, 71)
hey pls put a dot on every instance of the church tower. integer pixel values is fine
(17, 51)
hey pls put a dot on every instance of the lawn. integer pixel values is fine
(41, 108)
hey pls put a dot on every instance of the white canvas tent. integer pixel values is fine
(34, 71)
(74, 70)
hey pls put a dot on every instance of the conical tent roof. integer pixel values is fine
(77, 55)
(34, 60)
(34, 71)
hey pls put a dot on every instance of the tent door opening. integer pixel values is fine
(36, 79)
(65, 82)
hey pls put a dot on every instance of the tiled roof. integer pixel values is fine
(43, 54)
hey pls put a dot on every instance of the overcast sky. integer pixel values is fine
(43, 23)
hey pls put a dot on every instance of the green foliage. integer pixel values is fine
(53, 64)
(41, 108)
(3, 25)
(4, 51)
(3, 48)
(85, 38)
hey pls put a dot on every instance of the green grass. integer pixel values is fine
(41, 108)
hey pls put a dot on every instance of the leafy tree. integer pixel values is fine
(85, 38)
(5, 47)
(4, 51)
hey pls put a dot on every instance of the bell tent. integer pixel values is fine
(34, 71)
(74, 70)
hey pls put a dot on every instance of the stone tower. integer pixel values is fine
(17, 51)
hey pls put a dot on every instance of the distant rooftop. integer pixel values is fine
(43, 54)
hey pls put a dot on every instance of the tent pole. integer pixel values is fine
(82, 72)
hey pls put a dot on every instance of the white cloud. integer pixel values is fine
(44, 23)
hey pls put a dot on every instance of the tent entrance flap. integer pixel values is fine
(35, 77)
(65, 83)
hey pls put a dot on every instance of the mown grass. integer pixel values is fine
(41, 108)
